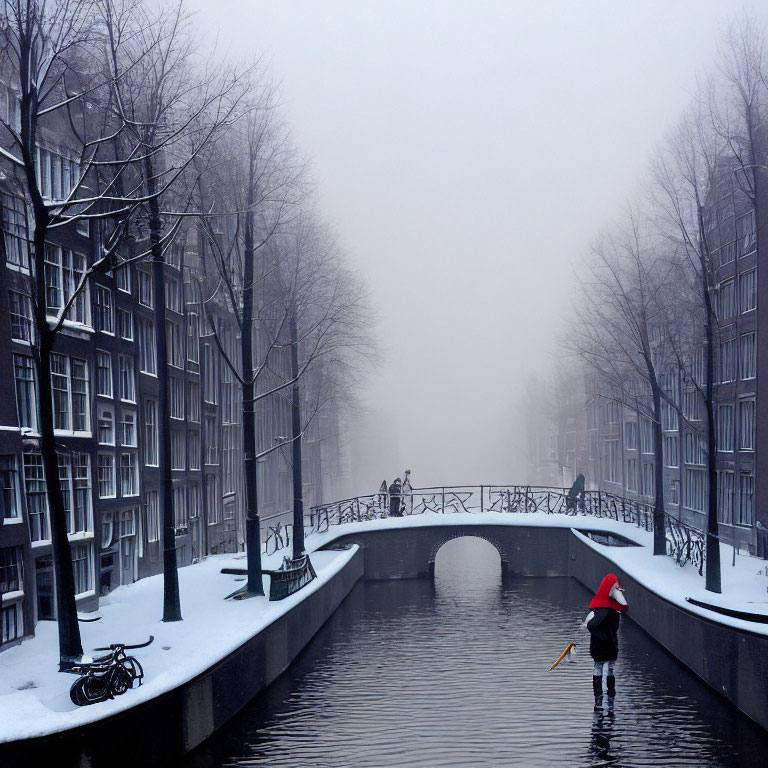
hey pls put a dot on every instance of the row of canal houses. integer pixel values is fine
(587, 431)
(105, 398)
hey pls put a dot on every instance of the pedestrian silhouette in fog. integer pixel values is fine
(603, 624)
(382, 499)
(394, 498)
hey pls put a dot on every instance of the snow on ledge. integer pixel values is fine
(34, 697)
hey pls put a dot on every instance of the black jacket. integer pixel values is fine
(603, 630)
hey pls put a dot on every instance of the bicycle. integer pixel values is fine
(107, 676)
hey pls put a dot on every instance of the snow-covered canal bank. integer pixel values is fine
(412, 673)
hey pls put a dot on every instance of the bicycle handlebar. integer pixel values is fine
(116, 646)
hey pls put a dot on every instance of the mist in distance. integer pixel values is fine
(467, 153)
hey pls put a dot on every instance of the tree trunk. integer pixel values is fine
(252, 523)
(70, 645)
(171, 600)
(713, 583)
(659, 536)
(298, 497)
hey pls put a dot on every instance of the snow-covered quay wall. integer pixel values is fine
(158, 729)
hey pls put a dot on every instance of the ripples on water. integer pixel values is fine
(456, 673)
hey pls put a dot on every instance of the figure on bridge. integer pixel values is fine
(394, 498)
(602, 622)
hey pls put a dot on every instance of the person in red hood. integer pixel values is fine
(603, 625)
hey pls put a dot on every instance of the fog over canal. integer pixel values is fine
(455, 673)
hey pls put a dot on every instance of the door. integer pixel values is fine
(45, 595)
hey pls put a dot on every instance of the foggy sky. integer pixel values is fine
(467, 153)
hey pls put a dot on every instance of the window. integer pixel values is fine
(747, 291)
(728, 361)
(646, 435)
(11, 570)
(745, 234)
(671, 451)
(647, 480)
(213, 501)
(692, 405)
(152, 513)
(107, 529)
(37, 502)
(674, 492)
(747, 425)
(26, 392)
(228, 460)
(746, 499)
(10, 499)
(178, 449)
(176, 397)
(229, 509)
(106, 425)
(129, 474)
(193, 338)
(21, 316)
(145, 288)
(193, 402)
(632, 474)
(63, 271)
(180, 515)
(669, 418)
(209, 374)
(695, 453)
(11, 581)
(193, 500)
(15, 231)
(147, 353)
(128, 429)
(173, 294)
(127, 379)
(69, 385)
(725, 428)
(173, 254)
(82, 558)
(57, 175)
(150, 433)
(103, 318)
(194, 449)
(60, 387)
(174, 348)
(695, 489)
(80, 410)
(611, 461)
(125, 324)
(103, 373)
(211, 442)
(81, 484)
(727, 299)
(123, 278)
(747, 355)
(725, 497)
(106, 475)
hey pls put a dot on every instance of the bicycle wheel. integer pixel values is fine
(77, 694)
(121, 681)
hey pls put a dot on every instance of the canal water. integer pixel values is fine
(455, 672)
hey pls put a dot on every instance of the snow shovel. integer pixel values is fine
(570, 648)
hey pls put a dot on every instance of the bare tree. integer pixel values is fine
(686, 178)
(616, 332)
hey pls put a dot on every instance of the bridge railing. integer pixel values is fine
(685, 544)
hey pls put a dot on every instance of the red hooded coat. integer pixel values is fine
(603, 597)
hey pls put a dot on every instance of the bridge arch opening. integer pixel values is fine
(467, 560)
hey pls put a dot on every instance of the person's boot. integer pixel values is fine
(611, 683)
(597, 689)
